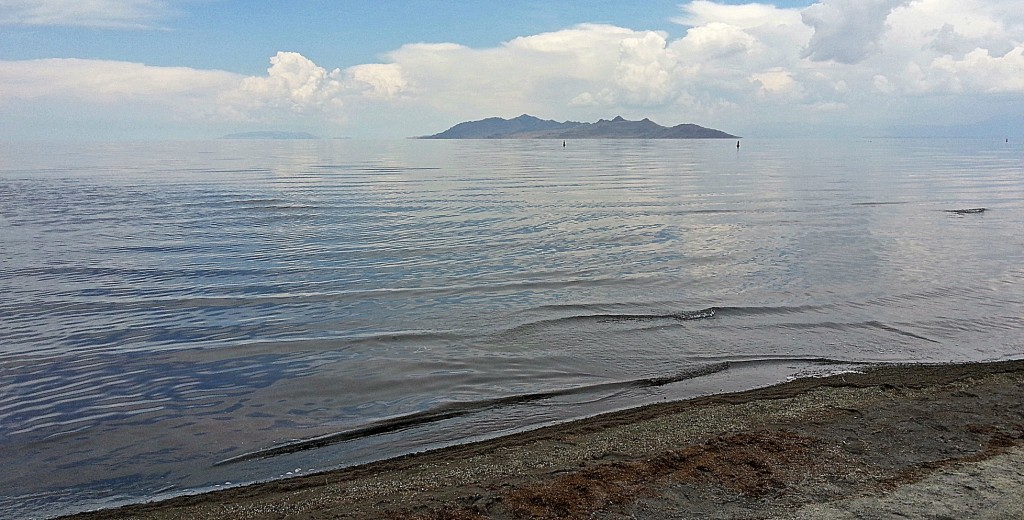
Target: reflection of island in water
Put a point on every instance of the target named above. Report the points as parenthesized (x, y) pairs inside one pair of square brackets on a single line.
[(529, 127)]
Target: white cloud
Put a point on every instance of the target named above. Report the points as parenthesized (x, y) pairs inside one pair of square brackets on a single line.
[(944, 47), (293, 85), (747, 16), (958, 26), (635, 68), (717, 40), (980, 72), (744, 68), (846, 30), (84, 13), (777, 84), (587, 41), (882, 84), (103, 82), (383, 81), (644, 72), (588, 63), (727, 45), (95, 99)]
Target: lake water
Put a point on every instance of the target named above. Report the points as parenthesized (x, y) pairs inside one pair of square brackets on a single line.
[(177, 317)]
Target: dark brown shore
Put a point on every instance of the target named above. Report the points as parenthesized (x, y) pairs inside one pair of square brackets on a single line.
[(903, 441)]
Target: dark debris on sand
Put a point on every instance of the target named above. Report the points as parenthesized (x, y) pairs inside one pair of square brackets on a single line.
[(778, 452)]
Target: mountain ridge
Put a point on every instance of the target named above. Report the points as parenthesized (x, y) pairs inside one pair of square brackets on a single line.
[(530, 127)]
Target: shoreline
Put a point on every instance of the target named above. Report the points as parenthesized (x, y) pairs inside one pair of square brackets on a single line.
[(807, 448)]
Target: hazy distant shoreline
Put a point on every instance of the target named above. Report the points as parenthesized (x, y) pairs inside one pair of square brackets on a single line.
[(272, 134)]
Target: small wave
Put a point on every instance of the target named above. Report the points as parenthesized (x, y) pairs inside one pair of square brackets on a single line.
[(768, 310), (227, 170), (879, 203), (701, 314), (371, 168), (453, 410), (895, 330), (966, 211)]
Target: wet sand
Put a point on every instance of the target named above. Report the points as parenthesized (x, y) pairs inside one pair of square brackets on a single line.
[(912, 441)]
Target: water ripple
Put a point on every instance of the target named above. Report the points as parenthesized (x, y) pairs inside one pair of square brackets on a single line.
[(170, 305)]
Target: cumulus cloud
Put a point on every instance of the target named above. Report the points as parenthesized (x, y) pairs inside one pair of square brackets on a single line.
[(643, 73), (378, 80), (591, 63), (956, 27), (744, 16), (293, 84), (84, 13), (101, 81), (776, 83), (293, 88), (636, 68), (50, 98), (737, 67), (978, 71), (952, 48), (717, 40), (846, 30)]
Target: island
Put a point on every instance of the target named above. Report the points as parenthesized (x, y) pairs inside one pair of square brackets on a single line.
[(530, 127)]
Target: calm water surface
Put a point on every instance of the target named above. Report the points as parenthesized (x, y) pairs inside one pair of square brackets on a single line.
[(177, 317)]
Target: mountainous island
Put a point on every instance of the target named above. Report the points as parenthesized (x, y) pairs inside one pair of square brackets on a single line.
[(530, 127)]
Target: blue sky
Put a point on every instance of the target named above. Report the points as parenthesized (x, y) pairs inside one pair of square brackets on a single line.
[(199, 68), (239, 35)]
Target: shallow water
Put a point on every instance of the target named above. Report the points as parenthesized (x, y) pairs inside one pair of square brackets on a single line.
[(180, 316)]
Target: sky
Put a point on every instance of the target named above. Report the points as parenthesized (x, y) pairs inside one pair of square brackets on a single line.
[(196, 69)]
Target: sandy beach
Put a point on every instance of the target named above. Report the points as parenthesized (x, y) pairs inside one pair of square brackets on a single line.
[(907, 441)]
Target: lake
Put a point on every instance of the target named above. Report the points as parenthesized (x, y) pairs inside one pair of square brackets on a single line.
[(182, 316)]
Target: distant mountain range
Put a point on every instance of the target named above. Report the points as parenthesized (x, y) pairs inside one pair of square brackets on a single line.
[(529, 127)]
